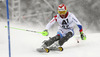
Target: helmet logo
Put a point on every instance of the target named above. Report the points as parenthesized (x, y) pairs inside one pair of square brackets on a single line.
[(61, 9)]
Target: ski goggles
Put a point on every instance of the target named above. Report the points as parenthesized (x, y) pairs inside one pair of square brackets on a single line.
[(62, 12)]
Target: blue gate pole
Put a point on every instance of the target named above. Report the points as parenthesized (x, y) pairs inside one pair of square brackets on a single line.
[(8, 24)]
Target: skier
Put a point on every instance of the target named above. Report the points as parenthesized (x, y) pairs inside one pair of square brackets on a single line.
[(66, 21)]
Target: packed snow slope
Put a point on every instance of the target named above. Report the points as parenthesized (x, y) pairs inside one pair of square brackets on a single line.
[(24, 44)]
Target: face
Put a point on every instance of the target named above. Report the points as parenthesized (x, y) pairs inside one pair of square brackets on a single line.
[(62, 15)]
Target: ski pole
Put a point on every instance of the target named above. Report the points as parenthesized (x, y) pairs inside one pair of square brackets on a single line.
[(43, 33)]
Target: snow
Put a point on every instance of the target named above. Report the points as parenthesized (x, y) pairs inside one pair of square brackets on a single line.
[(24, 44)]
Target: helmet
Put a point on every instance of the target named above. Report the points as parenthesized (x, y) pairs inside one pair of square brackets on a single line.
[(62, 9)]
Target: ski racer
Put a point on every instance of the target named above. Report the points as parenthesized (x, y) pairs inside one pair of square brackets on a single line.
[(66, 21)]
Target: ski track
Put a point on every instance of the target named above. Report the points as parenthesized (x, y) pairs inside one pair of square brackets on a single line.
[(24, 44)]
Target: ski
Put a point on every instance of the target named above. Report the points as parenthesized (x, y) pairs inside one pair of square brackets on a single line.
[(47, 50)]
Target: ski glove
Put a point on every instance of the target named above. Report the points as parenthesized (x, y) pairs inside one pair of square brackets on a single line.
[(45, 33), (83, 36)]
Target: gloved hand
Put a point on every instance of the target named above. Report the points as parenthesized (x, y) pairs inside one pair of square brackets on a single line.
[(83, 36), (45, 33)]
